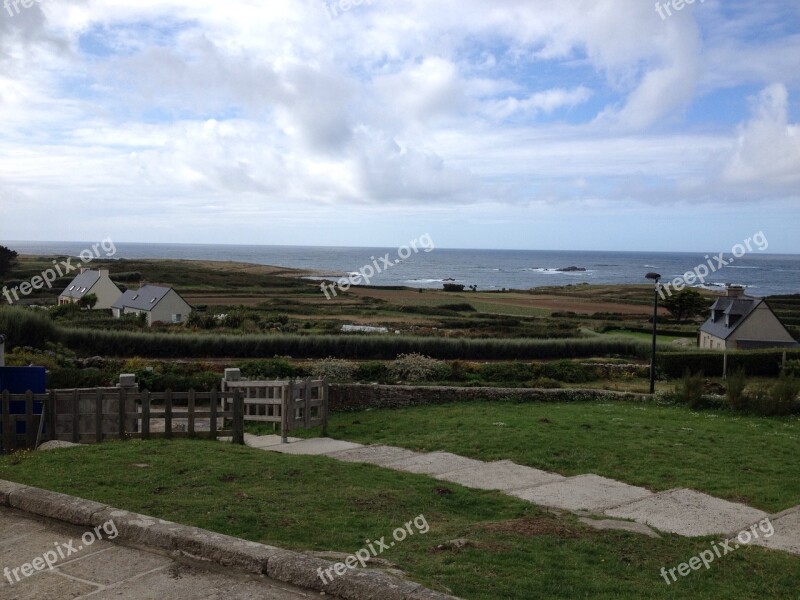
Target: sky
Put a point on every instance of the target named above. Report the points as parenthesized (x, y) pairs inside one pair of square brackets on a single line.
[(518, 124)]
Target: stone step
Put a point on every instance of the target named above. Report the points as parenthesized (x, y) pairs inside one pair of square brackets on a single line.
[(584, 492), (688, 513), (502, 475)]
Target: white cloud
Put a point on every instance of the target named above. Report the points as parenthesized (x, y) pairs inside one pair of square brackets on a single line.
[(768, 146)]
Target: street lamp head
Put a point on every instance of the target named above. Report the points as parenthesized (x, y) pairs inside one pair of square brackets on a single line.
[(654, 276)]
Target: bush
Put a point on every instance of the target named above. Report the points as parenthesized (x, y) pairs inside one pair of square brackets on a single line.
[(780, 399), (274, 368), (509, 372), (757, 363), (689, 390), (372, 371), (546, 383), (569, 372), (458, 307), (792, 368), (25, 327), (737, 382), (416, 367), (334, 369)]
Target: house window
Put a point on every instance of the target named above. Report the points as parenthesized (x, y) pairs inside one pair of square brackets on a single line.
[(153, 300), (135, 296), (72, 287), (177, 318)]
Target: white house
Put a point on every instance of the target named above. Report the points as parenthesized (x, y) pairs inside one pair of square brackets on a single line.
[(741, 322), (91, 282), (160, 304)]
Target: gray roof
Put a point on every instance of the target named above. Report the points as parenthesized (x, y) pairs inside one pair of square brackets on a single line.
[(145, 298), (741, 307), (82, 284)]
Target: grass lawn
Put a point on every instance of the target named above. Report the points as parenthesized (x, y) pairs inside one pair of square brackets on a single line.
[(741, 458), (640, 335), (316, 503)]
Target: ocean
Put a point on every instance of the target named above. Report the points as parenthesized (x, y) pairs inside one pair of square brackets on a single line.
[(423, 267)]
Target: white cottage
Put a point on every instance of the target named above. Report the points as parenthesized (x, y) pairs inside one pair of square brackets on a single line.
[(160, 304), (91, 282)]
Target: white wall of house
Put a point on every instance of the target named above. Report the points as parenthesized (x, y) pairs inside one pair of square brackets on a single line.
[(106, 291), (171, 309), (711, 342)]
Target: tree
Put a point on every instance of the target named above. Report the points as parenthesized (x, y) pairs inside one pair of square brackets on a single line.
[(88, 301), (7, 259), (686, 304)]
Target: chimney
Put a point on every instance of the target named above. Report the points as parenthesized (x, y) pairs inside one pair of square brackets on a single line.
[(735, 291), (103, 272), (84, 269)]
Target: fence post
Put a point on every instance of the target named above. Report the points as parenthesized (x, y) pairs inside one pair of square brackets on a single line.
[(76, 417), (238, 417), (286, 406), (307, 403), (123, 403), (325, 388), (191, 408), (146, 415), (212, 407), (52, 409), (30, 431), (5, 409), (98, 416), (168, 414), (725, 365)]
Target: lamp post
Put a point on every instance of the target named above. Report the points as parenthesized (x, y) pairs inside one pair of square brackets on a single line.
[(654, 277)]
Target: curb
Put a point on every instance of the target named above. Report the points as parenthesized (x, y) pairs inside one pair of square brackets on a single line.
[(276, 563)]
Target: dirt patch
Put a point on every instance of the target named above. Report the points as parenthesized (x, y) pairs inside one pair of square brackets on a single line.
[(537, 527)]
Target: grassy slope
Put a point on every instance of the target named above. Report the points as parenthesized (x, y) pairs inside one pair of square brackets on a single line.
[(741, 458), (519, 552)]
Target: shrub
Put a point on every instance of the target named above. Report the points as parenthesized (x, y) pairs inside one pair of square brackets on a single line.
[(792, 368), (274, 368), (416, 367), (735, 390), (372, 371), (780, 399), (334, 369), (546, 383), (689, 390), (511, 372), (24, 327), (458, 307), (569, 372)]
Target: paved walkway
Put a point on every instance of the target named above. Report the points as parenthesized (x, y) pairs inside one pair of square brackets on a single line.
[(681, 511), (103, 570)]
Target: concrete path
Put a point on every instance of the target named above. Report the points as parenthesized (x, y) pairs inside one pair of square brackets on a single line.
[(103, 569), (682, 511)]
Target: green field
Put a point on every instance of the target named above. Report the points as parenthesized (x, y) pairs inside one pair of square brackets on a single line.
[(515, 550), (658, 447)]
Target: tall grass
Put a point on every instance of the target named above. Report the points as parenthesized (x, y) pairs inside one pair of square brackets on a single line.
[(25, 327), (158, 345)]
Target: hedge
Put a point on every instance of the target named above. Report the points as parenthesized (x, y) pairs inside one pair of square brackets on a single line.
[(756, 363), (359, 347)]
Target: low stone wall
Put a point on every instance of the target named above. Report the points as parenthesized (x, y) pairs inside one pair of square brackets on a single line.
[(353, 397)]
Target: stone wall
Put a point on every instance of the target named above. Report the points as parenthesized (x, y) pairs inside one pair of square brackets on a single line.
[(353, 397)]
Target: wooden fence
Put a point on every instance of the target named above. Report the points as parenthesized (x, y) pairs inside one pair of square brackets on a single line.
[(91, 416), (291, 405)]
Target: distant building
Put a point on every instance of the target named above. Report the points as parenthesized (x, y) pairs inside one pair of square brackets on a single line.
[(740, 322), (160, 304), (91, 282)]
